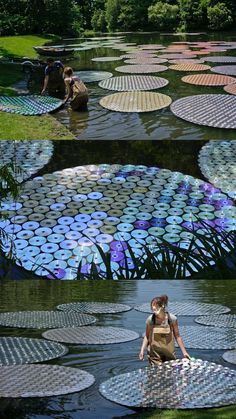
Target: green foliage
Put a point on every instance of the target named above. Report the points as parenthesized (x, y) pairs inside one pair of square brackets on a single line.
[(163, 15), (98, 21), (112, 11), (191, 13), (219, 16)]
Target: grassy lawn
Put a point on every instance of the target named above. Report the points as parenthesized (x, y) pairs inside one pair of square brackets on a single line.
[(19, 127), (22, 46), (221, 413)]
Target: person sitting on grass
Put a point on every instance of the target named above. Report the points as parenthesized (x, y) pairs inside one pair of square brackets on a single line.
[(53, 79), (161, 332), (76, 90)]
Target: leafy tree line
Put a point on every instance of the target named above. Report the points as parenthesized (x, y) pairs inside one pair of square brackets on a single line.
[(75, 16)]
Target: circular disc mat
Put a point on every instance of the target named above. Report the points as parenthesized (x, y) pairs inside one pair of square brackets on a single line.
[(29, 105), (143, 60), (220, 59), (212, 110), (131, 83), (187, 308), (91, 307), (17, 350), (91, 335), (29, 155), (230, 356), (205, 337), (225, 320), (189, 67), (135, 101), (208, 80), (141, 69), (106, 59), (44, 319), (93, 76), (62, 216), (178, 384), (231, 88), (229, 70), (42, 380), (217, 161)]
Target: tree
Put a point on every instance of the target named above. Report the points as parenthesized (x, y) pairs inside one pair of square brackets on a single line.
[(219, 16), (191, 13), (163, 15), (98, 21), (112, 11)]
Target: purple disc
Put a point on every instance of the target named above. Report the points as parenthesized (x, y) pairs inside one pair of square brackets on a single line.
[(158, 222), (222, 222), (117, 256), (118, 246), (140, 224), (129, 263), (58, 273)]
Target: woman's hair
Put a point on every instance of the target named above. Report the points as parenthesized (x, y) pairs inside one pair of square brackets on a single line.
[(160, 302), (68, 71)]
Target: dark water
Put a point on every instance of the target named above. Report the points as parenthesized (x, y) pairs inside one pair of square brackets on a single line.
[(103, 361), (101, 124)]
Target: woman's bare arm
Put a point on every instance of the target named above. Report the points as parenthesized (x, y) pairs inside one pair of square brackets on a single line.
[(144, 343)]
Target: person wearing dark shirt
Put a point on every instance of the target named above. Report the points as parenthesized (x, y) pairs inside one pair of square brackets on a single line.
[(53, 79)]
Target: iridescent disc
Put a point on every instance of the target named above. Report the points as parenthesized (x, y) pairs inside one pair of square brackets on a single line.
[(92, 76), (18, 350), (141, 69), (131, 83), (179, 384), (205, 337), (187, 308), (94, 307), (91, 335), (229, 70), (217, 161), (231, 88), (29, 105), (214, 110), (220, 320), (208, 80), (189, 67), (42, 380), (135, 101)]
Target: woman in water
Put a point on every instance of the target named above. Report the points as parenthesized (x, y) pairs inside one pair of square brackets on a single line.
[(161, 332), (75, 90)]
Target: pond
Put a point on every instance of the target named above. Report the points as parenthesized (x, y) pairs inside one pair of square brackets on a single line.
[(103, 361), (102, 124)]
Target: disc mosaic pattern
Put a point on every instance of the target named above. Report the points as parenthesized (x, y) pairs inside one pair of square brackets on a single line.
[(225, 320), (92, 76), (106, 59), (208, 80), (17, 350), (189, 67), (206, 337), (144, 60), (212, 110), (229, 70), (179, 384), (231, 88), (135, 101), (220, 59), (230, 356), (188, 308), (91, 335), (131, 83), (141, 69), (44, 319), (94, 307), (42, 380), (217, 161), (29, 105), (61, 216), (29, 155)]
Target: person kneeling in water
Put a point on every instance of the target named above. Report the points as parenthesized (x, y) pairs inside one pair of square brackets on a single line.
[(75, 90), (161, 329)]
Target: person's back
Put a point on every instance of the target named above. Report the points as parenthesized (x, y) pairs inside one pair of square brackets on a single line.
[(53, 80), (76, 90)]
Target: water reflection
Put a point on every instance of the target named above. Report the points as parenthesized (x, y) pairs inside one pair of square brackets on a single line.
[(103, 361)]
